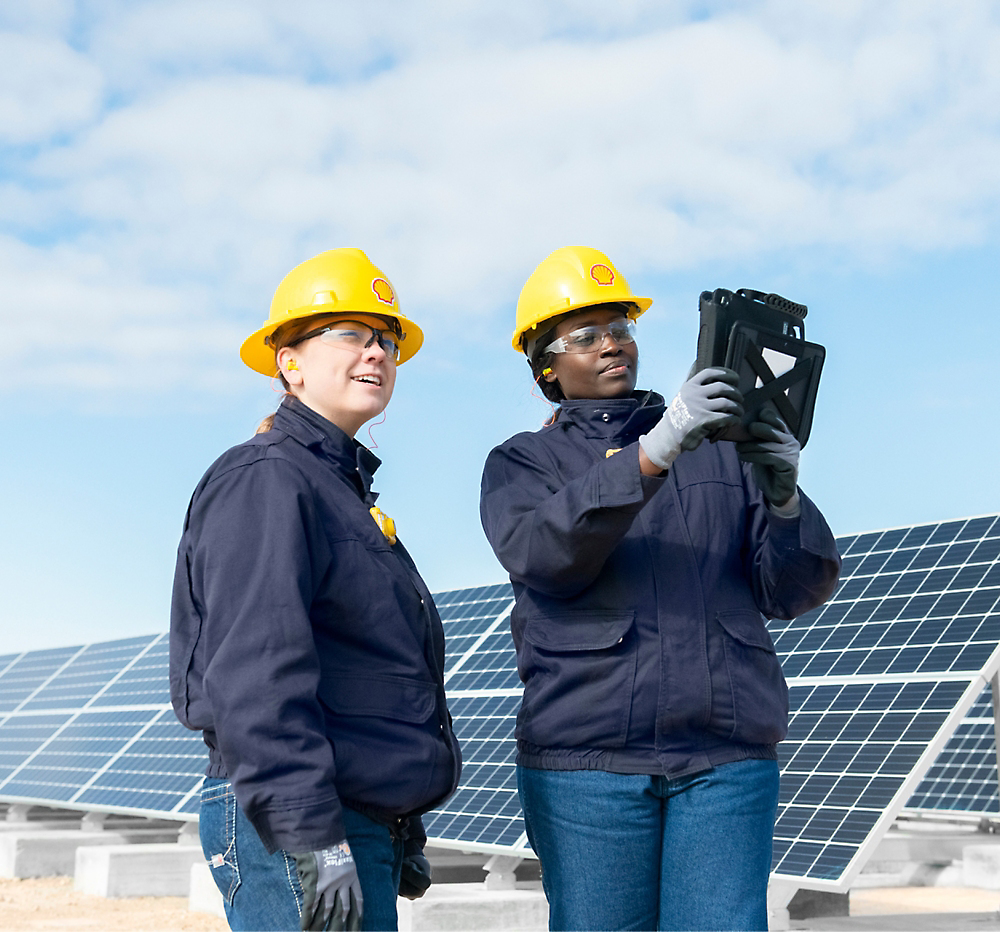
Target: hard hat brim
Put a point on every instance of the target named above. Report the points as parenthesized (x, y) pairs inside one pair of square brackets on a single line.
[(520, 337), (256, 354)]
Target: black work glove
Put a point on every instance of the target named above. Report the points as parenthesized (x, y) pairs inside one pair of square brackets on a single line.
[(331, 889), (774, 456), (415, 876)]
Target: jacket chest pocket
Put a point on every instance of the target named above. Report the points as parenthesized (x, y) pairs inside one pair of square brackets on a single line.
[(749, 695), (579, 673)]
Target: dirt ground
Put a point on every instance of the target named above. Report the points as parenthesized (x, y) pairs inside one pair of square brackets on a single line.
[(881, 901), (52, 903)]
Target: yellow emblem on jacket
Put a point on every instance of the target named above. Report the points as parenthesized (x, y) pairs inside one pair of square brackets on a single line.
[(385, 524), (613, 452)]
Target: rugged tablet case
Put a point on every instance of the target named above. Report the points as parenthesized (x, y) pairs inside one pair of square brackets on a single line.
[(737, 331)]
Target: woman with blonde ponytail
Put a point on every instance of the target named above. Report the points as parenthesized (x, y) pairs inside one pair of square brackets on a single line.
[(304, 644)]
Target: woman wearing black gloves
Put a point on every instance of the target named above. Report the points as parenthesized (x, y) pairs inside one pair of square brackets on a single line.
[(304, 644), (642, 559)]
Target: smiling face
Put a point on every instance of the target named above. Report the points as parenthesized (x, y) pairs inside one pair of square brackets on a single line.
[(346, 385), (609, 372)]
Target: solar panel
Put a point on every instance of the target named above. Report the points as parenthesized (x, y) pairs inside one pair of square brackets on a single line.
[(879, 679), (92, 728), (484, 693), (883, 679), (963, 779)]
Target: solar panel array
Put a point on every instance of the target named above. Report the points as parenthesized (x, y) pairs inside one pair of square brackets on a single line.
[(880, 679), (92, 728), (911, 600), (963, 779)]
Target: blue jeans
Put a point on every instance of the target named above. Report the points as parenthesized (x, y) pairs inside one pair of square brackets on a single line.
[(262, 891), (620, 851)]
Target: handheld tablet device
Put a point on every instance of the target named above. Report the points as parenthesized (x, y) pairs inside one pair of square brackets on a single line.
[(762, 337)]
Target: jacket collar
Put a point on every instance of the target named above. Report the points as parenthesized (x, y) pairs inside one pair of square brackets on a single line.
[(613, 417), (314, 431)]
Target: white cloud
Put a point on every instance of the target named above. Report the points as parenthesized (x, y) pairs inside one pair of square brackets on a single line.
[(459, 147), (72, 321), (45, 88), (43, 16)]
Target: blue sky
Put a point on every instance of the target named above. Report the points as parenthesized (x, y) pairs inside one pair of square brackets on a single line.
[(163, 164)]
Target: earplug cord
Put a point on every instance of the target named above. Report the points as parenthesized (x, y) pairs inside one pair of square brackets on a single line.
[(554, 413), (381, 420)]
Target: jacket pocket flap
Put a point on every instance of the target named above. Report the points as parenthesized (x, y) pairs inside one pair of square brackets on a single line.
[(578, 630), (386, 697), (746, 627)]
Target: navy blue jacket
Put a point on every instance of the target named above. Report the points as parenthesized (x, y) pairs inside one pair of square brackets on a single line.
[(305, 647), (638, 622)]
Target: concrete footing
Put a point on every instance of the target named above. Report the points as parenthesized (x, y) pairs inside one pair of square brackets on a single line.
[(53, 852), (443, 907), (981, 866), (42, 826), (922, 855), (471, 906), (814, 904), (203, 894), (136, 870), (779, 895)]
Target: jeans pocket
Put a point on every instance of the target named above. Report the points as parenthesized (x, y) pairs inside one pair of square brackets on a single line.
[(217, 828), (749, 695)]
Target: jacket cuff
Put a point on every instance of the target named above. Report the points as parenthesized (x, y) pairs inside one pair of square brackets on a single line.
[(784, 531), (808, 532), (304, 828), (620, 484), (651, 485)]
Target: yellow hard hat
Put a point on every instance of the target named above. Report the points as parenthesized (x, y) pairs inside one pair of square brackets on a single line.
[(333, 282), (570, 278)]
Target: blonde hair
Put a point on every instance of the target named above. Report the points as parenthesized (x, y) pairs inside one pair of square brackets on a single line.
[(281, 337)]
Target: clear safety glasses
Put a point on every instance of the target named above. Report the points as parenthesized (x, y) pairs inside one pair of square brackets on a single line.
[(354, 335), (591, 339)]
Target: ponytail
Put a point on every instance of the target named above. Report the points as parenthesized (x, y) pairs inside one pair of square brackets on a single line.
[(282, 337)]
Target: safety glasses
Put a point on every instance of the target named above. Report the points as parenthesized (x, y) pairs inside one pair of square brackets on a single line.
[(354, 335), (591, 339)]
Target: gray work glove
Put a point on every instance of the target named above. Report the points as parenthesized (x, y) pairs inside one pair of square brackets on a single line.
[(707, 402), (331, 889), (415, 876), (774, 456)]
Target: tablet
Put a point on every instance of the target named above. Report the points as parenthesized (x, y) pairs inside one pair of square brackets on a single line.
[(762, 337)]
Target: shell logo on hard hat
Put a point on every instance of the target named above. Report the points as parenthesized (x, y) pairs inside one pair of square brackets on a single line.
[(383, 291), (601, 274)]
